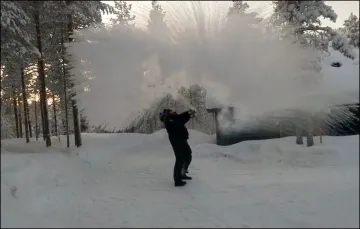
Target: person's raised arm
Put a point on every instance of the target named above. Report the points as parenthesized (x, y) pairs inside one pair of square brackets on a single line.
[(185, 116)]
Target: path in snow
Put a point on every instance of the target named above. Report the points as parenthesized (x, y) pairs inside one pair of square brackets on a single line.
[(126, 181)]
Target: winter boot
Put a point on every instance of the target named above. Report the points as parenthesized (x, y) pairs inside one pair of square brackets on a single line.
[(180, 183), (186, 177)]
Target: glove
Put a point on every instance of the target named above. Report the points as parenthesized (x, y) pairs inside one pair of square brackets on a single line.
[(163, 116), (192, 113)]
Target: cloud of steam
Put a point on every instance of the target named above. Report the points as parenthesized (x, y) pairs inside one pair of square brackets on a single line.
[(237, 62)]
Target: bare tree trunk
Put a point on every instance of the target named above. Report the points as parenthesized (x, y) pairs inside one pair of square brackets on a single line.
[(26, 114), (77, 131), (59, 124), (16, 112), (65, 93), (42, 116), (54, 109), (36, 122), (42, 119), (310, 131), (29, 121), (321, 132), (43, 99), (20, 119)]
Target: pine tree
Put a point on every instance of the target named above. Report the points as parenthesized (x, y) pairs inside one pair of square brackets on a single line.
[(238, 19), (122, 13), (156, 25), (90, 16), (351, 29), (14, 22), (238, 7), (25, 103), (41, 74), (19, 54), (16, 47), (301, 19)]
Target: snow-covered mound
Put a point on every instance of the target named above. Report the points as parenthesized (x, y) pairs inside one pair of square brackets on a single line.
[(284, 152), (125, 180)]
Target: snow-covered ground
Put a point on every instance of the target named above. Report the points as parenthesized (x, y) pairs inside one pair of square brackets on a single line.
[(125, 180)]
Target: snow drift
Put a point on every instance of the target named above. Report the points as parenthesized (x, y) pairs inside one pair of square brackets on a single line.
[(283, 152)]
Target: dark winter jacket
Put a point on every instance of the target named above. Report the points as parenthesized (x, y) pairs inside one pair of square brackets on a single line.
[(175, 126)]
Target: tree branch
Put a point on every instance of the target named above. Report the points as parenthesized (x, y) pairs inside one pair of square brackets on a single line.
[(315, 28)]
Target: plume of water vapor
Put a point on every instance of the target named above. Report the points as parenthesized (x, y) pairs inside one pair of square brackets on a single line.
[(237, 61)]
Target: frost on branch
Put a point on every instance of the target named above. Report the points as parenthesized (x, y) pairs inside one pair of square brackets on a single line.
[(13, 17), (122, 13), (13, 29), (88, 13), (351, 29), (341, 44), (238, 7), (301, 19), (302, 13)]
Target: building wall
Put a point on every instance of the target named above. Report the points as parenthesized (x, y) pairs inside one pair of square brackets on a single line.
[(286, 128)]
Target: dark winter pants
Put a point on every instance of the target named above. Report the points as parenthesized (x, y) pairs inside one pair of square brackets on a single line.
[(183, 158)]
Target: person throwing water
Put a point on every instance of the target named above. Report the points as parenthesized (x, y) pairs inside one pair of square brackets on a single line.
[(178, 136)]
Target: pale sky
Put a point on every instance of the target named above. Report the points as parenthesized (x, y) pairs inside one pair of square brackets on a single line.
[(141, 9)]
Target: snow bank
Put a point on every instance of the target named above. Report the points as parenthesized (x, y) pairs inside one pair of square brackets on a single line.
[(283, 151), (273, 152)]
